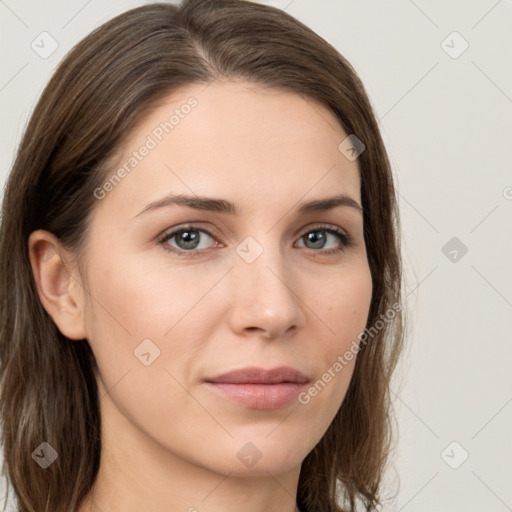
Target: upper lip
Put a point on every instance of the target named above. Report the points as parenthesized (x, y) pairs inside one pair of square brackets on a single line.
[(255, 375)]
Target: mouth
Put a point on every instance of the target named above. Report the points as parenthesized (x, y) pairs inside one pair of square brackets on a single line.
[(258, 388)]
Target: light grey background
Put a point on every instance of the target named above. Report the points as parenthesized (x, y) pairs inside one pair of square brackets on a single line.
[(447, 123)]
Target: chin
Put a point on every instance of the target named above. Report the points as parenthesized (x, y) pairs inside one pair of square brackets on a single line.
[(264, 453)]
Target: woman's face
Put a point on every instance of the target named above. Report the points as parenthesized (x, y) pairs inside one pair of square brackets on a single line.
[(255, 280)]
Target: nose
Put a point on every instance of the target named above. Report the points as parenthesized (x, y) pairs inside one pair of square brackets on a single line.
[(266, 297)]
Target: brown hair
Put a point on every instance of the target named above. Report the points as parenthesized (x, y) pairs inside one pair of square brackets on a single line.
[(95, 98)]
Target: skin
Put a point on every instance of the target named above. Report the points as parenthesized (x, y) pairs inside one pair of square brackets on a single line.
[(169, 443)]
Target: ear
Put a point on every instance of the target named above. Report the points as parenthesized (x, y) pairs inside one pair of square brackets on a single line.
[(59, 287)]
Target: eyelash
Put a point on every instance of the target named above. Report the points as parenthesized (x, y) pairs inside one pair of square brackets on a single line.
[(346, 240)]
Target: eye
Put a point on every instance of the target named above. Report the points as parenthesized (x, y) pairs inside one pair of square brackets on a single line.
[(188, 239), (192, 241), (318, 236)]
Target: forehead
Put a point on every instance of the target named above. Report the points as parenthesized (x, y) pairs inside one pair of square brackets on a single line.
[(238, 139)]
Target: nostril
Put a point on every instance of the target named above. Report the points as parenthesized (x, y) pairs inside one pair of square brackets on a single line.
[(254, 329)]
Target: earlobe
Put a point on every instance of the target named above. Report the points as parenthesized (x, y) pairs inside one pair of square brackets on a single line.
[(59, 288)]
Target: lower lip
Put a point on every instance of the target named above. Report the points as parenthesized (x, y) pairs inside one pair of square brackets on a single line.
[(259, 396)]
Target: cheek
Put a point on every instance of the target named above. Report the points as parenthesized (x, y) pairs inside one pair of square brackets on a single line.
[(347, 305), (145, 331), (147, 313), (140, 300)]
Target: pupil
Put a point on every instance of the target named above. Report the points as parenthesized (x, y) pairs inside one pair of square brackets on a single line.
[(188, 244), (318, 241)]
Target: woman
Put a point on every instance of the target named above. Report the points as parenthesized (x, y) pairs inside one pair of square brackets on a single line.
[(200, 273)]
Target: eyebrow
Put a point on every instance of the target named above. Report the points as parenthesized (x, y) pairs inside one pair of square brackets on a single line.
[(222, 206)]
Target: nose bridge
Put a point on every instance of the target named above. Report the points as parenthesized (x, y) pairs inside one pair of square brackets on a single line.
[(265, 295), (262, 263)]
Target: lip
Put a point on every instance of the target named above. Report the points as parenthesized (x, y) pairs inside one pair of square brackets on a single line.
[(259, 388)]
